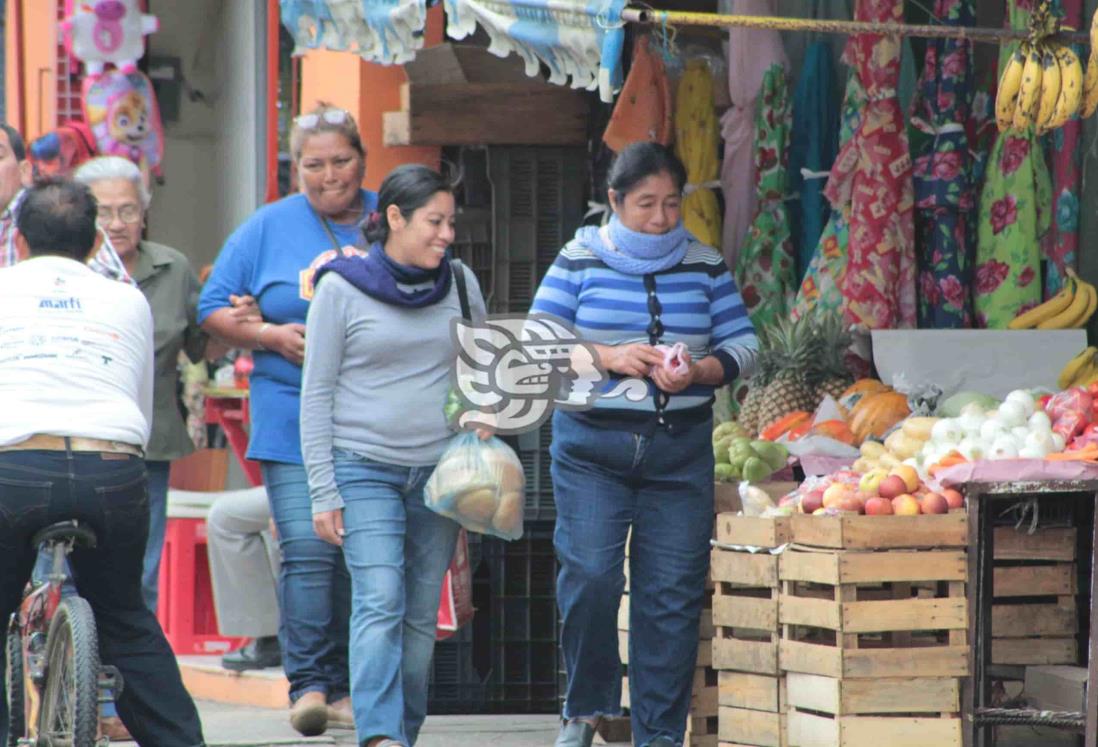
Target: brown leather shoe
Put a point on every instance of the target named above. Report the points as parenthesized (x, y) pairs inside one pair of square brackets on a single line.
[(113, 729), (340, 714), (309, 715)]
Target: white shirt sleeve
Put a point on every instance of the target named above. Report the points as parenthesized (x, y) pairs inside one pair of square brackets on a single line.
[(145, 385)]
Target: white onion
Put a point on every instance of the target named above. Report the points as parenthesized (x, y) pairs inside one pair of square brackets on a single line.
[(1020, 433), (1032, 452), (993, 429), (1040, 421), (971, 449), (1058, 442), (1041, 441), (946, 431), (1024, 399), (1012, 414), (1003, 448)]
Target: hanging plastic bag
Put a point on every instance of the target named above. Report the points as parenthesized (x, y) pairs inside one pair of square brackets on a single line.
[(455, 606), (480, 485)]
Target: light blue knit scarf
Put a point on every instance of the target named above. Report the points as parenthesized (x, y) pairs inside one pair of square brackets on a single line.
[(632, 252)]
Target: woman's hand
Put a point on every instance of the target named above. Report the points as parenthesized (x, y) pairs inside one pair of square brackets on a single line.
[(328, 525), (288, 340), (673, 383), (244, 309), (635, 359)]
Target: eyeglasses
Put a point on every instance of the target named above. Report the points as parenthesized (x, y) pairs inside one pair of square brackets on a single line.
[(129, 214), (331, 116)]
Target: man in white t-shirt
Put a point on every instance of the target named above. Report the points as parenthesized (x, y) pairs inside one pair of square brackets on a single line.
[(76, 363)]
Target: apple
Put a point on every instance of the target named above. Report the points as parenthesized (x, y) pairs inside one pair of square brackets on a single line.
[(909, 475), (879, 507), (819, 511), (871, 481), (892, 486), (934, 503), (851, 504), (836, 492), (954, 498), (812, 501), (905, 505)]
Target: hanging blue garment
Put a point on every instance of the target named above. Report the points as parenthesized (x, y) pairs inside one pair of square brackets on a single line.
[(814, 144)]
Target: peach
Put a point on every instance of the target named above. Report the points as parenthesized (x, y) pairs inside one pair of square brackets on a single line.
[(905, 505), (934, 503), (892, 486), (879, 507), (836, 492), (871, 481), (812, 501), (909, 475), (954, 498), (851, 504)]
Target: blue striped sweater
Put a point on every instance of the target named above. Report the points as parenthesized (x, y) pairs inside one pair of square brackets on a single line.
[(701, 308)]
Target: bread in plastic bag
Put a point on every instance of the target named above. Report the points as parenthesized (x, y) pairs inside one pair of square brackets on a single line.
[(480, 485)]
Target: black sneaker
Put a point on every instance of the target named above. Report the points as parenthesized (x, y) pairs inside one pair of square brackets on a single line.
[(260, 653)]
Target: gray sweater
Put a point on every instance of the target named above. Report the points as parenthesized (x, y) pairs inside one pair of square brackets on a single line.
[(375, 380)]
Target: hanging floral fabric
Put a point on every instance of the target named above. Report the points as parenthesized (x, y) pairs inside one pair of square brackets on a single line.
[(765, 266), (643, 110), (944, 194), (696, 141), (1014, 215), (814, 142), (872, 175), (1063, 146), (751, 52)]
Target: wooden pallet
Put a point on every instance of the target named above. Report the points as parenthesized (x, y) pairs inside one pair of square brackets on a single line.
[(852, 614), (1034, 616)]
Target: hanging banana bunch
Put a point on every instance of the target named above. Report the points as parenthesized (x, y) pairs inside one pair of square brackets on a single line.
[(1042, 84)]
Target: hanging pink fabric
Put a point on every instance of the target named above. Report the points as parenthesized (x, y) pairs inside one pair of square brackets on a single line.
[(872, 181), (751, 52)]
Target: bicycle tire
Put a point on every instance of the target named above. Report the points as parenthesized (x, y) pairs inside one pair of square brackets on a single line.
[(13, 686), (70, 703)]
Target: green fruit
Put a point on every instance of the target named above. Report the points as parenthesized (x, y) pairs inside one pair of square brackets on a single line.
[(723, 473), (731, 428), (720, 449), (775, 455), (756, 470)]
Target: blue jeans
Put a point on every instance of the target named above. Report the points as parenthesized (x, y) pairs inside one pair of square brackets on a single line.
[(398, 551), (158, 520), (314, 590), (606, 481), (108, 493)]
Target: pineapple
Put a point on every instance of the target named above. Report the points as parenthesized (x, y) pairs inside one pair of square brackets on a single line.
[(830, 375), (788, 360)]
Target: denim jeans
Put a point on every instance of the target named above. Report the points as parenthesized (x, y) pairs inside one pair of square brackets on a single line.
[(158, 520), (108, 493), (606, 481), (398, 551), (314, 590)]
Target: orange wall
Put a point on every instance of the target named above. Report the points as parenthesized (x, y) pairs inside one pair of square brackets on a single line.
[(39, 68), (367, 89)]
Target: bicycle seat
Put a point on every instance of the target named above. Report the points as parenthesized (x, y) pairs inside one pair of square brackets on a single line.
[(63, 531)]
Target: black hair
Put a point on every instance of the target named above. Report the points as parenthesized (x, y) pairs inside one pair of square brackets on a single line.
[(409, 187), (18, 145), (58, 217), (641, 160)]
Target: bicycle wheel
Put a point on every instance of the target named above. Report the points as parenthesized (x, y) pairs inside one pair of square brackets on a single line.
[(13, 686), (69, 715)]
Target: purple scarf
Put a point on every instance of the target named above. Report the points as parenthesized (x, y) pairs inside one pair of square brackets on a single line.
[(378, 276)]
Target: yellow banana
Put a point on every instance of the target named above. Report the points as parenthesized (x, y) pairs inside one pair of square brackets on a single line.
[(1006, 100), (1090, 84), (1071, 86), (1092, 305), (1086, 374), (1050, 89), (1047, 310), (1074, 366), (1025, 112), (1067, 318)]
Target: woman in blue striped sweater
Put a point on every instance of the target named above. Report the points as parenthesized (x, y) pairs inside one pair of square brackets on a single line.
[(640, 282)]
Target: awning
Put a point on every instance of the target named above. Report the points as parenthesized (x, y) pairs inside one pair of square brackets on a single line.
[(579, 42)]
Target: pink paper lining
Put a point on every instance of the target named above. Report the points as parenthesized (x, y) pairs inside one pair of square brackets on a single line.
[(1014, 470)]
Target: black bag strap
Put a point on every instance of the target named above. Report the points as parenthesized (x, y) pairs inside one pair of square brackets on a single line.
[(458, 270)]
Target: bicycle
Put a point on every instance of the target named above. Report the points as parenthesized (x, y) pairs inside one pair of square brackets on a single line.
[(55, 682)]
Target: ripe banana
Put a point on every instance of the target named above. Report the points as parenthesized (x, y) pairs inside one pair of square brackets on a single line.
[(1074, 366), (1086, 374), (1047, 310), (1006, 100), (1092, 304), (1071, 86), (1067, 318), (1090, 85), (1050, 89), (1025, 112)]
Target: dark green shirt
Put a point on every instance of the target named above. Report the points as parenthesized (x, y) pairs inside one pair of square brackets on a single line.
[(171, 288)]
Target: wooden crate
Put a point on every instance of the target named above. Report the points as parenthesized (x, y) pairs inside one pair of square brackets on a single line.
[(753, 531), (814, 730), (742, 726), (853, 614), (857, 532), (1035, 616)]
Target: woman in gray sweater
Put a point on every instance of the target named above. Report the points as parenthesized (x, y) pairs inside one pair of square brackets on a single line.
[(377, 371)]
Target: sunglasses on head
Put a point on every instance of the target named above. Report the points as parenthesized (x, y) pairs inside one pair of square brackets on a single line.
[(331, 116)]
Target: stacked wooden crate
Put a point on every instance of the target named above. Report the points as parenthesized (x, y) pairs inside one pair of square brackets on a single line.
[(701, 726), (745, 642), (874, 630), (1034, 618)]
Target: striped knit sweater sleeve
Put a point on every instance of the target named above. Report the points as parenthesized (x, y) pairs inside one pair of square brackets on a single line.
[(701, 307)]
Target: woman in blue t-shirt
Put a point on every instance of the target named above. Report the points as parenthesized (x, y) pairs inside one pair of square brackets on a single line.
[(273, 257)]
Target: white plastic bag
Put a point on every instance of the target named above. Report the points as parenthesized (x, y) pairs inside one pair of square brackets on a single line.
[(480, 485)]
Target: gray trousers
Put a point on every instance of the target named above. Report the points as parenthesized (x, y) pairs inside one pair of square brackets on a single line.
[(244, 563)]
